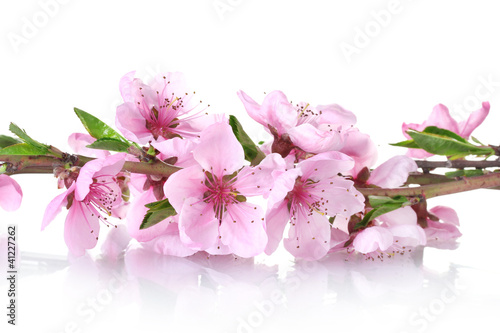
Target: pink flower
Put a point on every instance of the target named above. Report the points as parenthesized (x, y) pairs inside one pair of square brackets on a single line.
[(93, 197), (440, 117), (305, 196), (442, 227), (393, 233), (11, 194), (313, 130), (210, 197), (158, 111)]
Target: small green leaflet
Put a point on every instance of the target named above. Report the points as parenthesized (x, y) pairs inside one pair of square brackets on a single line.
[(99, 130), (381, 205), (6, 141), (41, 148), (406, 144), (110, 144), (158, 211), (22, 149), (252, 153)]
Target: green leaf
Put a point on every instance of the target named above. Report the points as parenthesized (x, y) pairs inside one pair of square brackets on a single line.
[(22, 149), (98, 129), (447, 144), (6, 141), (381, 205), (444, 132), (377, 200), (252, 153), (110, 144), (158, 211), (464, 173), (44, 149), (406, 144)]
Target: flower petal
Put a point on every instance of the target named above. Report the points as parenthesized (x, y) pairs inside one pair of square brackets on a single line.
[(372, 239), (198, 227), (309, 235), (10, 193), (177, 147), (218, 151), (393, 172), (242, 229), (169, 243), (475, 119), (276, 220), (253, 108), (325, 165), (81, 229), (315, 140), (278, 112), (446, 214), (401, 216), (184, 184), (335, 114), (78, 143), (131, 123), (361, 149), (55, 206)]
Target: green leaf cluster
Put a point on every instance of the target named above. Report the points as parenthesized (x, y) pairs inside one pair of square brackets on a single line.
[(157, 212), (25, 145)]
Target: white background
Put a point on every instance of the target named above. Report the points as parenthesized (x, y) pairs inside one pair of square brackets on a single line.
[(56, 56)]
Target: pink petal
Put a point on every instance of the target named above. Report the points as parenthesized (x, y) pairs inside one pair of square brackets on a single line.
[(132, 124), (115, 243), (338, 239), (335, 114), (258, 180), (78, 143), (242, 229), (278, 112), (81, 229), (218, 151), (361, 148), (314, 140), (446, 214), (125, 86), (440, 117), (283, 184), (11, 194), (198, 227), (309, 236), (136, 215), (441, 232), (339, 196), (409, 235), (184, 184), (169, 243), (393, 172), (180, 148), (253, 109), (475, 119), (276, 220), (401, 216), (55, 206), (325, 165), (372, 239)]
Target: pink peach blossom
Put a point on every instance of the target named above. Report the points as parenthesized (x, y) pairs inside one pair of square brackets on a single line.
[(93, 197), (11, 194), (158, 111), (210, 197), (305, 196)]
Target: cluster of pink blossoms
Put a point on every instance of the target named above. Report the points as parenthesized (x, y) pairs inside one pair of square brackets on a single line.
[(302, 193)]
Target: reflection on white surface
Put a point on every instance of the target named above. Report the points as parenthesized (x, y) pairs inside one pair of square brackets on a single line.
[(143, 291)]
